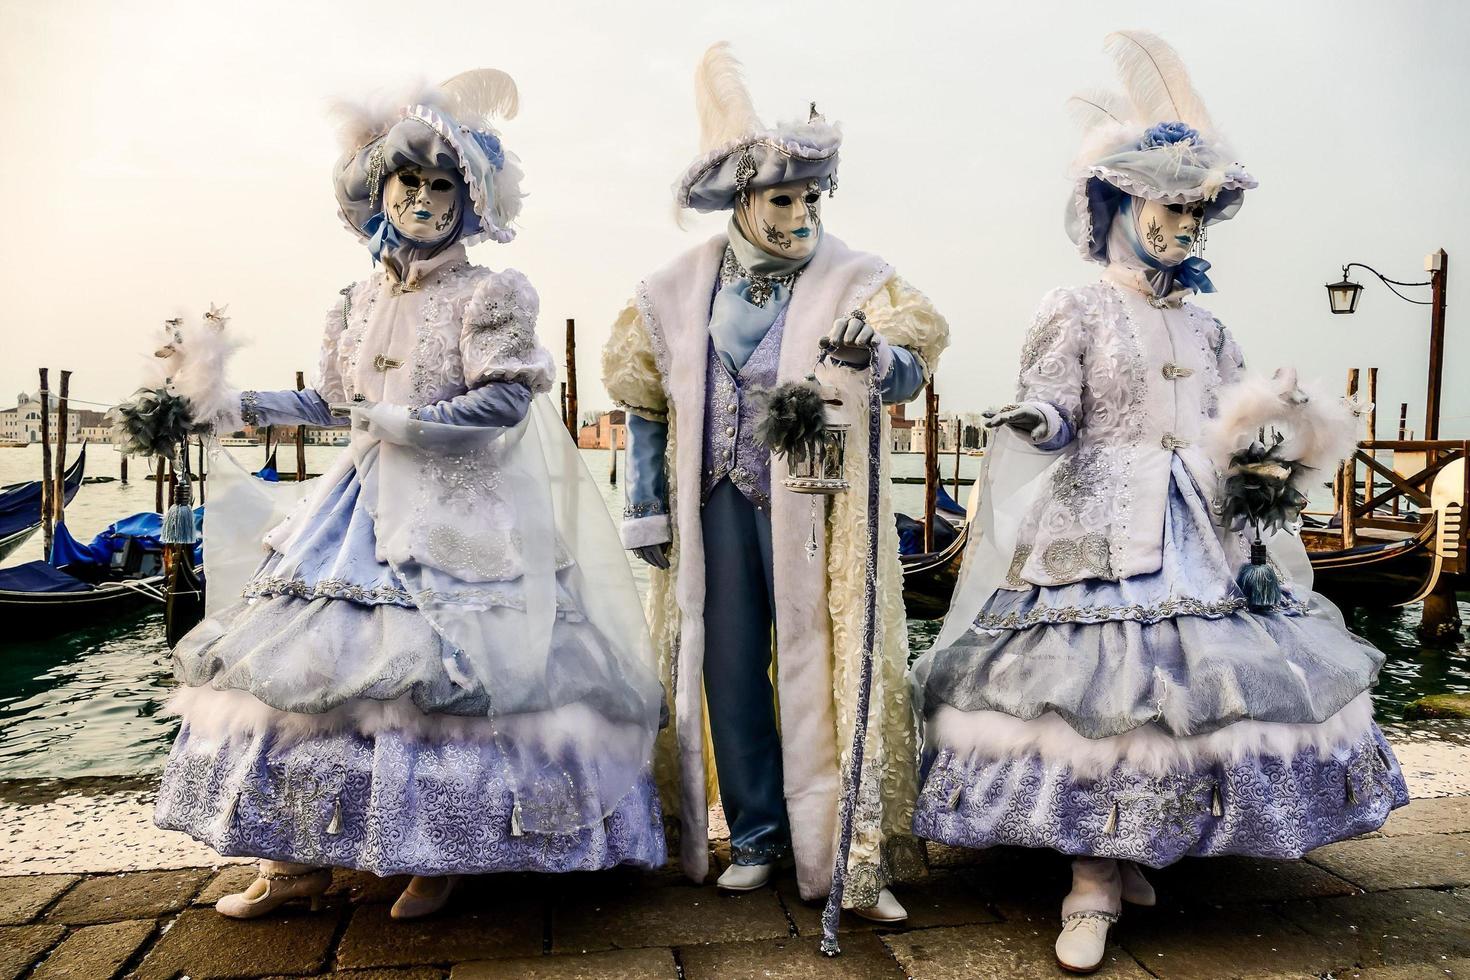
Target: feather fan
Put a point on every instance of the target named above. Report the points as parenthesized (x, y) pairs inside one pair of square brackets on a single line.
[(726, 111), (1155, 79)]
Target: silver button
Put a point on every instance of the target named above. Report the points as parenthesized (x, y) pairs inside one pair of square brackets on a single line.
[(730, 430), (732, 408), (738, 471)]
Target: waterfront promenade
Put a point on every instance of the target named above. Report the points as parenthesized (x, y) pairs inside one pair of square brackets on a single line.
[(1392, 905)]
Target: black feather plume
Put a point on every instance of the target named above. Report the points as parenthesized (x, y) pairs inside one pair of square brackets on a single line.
[(154, 422), (1259, 489), (791, 418)]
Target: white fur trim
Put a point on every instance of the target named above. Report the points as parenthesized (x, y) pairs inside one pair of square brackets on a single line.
[(995, 735), (218, 715), (1053, 421), (640, 532)]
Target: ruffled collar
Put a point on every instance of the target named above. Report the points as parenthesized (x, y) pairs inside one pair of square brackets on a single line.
[(420, 270)]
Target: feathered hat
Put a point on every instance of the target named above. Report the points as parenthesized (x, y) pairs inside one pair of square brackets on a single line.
[(738, 151), (447, 127), (1156, 141)]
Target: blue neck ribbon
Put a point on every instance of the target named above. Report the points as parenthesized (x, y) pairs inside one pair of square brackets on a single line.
[(384, 237), (1191, 273)]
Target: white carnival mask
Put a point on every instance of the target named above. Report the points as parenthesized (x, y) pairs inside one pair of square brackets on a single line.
[(423, 203), (784, 219), (1168, 232)]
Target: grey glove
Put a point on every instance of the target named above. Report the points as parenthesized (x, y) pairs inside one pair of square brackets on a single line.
[(1026, 418), (656, 555), (851, 340)]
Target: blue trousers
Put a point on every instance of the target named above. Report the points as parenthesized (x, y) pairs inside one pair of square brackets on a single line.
[(739, 616)]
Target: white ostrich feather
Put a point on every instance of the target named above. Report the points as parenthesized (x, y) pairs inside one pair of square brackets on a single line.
[(480, 95), (362, 120), (1156, 80), (1099, 107), (1320, 429), (204, 351), (726, 112)]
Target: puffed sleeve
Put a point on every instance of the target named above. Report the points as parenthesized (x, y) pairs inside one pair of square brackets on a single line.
[(498, 339), (1229, 358), (629, 370), (1051, 363), (906, 321)]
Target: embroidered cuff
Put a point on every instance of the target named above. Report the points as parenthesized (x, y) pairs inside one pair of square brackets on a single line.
[(1058, 428), (641, 532)]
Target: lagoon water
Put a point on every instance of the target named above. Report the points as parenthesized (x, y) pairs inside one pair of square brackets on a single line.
[(89, 703)]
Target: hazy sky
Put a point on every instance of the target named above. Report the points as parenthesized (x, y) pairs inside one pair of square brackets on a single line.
[(165, 155)]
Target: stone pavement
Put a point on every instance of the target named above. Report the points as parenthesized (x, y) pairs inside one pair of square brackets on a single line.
[(1389, 906)]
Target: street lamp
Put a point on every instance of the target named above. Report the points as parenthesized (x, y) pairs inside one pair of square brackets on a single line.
[(1343, 298)]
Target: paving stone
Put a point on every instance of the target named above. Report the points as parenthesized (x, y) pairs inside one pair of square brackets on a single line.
[(20, 946), (1412, 861), (1216, 944), (203, 944), (135, 895), (95, 952), (995, 950), (1391, 928), (374, 939), (1446, 968), (942, 898), (405, 973), (664, 915), (619, 964), (863, 958), (1235, 880), (1441, 815), (359, 887), (24, 896)]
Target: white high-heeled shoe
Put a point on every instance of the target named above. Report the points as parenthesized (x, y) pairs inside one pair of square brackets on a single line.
[(1083, 941), (272, 890), (1136, 888), (888, 909), (417, 904), (745, 877)]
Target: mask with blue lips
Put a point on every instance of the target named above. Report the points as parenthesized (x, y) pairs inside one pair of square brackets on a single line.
[(784, 219), (424, 204), (1167, 232)]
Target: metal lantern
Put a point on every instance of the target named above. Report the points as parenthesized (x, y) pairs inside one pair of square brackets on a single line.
[(1343, 296), (819, 469)]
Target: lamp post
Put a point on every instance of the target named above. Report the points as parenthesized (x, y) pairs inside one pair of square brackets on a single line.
[(1343, 298)]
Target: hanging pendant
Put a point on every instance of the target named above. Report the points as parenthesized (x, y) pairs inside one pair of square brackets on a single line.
[(1217, 805), (1112, 823), (811, 541), (954, 796), (1351, 793), (334, 827), (516, 827)]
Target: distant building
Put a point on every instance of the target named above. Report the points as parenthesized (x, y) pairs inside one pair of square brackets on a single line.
[(22, 424), (601, 432), (901, 430)]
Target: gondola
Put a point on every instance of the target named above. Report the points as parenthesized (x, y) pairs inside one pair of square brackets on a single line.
[(929, 579), (20, 505), (1383, 572), (119, 574)]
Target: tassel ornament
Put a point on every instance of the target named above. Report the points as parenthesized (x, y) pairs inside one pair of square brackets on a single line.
[(1217, 804), (517, 828), (1258, 581), (334, 826), (1111, 826), (1349, 791)]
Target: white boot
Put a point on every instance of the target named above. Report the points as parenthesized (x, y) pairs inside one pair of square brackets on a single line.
[(424, 896), (745, 877), (1083, 940), (1136, 888), (887, 910), (279, 883), (1087, 912)]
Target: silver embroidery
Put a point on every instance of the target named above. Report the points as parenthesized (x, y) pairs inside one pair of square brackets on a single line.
[(487, 556), (250, 407), (1018, 562), (1038, 340), (761, 287), (1138, 613)]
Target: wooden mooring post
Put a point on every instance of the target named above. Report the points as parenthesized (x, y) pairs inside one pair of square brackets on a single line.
[(58, 496), (46, 488), (931, 462), (300, 435), (571, 396)]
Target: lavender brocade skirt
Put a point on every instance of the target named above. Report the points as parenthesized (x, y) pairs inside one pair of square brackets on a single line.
[(1106, 657), (387, 804), (1263, 806)]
